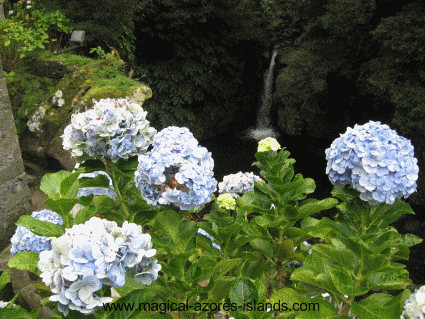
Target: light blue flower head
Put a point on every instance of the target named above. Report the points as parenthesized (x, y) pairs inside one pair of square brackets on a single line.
[(238, 184), (115, 129), (25, 240), (377, 162), (91, 255), (176, 171)]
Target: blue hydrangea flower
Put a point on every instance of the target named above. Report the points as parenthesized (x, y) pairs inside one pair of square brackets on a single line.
[(377, 162), (25, 240), (238, 184), (115, 129), (176, 171), (91, 255)]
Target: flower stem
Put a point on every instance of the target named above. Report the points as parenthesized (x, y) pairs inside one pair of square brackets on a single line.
[(110, 169)]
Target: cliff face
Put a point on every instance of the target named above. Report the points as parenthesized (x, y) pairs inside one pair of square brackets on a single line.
[(14, 192)]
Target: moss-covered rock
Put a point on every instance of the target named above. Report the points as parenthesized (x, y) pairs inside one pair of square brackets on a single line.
[(76, 92)]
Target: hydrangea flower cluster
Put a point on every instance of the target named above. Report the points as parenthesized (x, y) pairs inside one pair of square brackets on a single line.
[(25, 240), (115, 129), (238, 183), (203, 232), (415, 305), (378, 163), (97, 191), (176, 171), (92, 254), (268, 144), (226, 201)]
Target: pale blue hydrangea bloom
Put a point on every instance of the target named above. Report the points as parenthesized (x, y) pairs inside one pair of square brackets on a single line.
[(414, 307), (115, 129), (378, 163), (25, 240), (203, 232), (238, 184), (178, 172), (91, 255)]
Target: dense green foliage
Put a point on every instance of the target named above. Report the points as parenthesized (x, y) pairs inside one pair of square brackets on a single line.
[(192, 54), (107, 23), (29, 29)]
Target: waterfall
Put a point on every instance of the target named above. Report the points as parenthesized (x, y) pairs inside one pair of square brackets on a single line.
[(264, 128), (263, 119)]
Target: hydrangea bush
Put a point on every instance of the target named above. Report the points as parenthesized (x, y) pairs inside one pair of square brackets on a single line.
[(375, 160), (113, 129), (238, 252)]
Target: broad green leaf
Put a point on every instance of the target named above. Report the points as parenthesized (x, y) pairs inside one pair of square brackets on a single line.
[(265, 188), (315, 272), (84, 215), (289, 297), (40, 228), (306, 209), (262, 246), (226, 233), (90, 166), (50, 183), (411, 240), (205, 244), (63, 206), (389, 280), (224, 266), (342, 257), (69, 186), (98, 181), (4, 278), (296, 190), (168, 222), (243, 291), (345, 283), (221, 289), (378, 306), (14, 313), (25, 260)]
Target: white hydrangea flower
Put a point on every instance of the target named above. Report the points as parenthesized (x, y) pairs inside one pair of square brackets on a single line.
[(34, 123), (415, 305)]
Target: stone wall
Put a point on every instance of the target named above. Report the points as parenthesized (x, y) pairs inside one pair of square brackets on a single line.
[(15, 198)]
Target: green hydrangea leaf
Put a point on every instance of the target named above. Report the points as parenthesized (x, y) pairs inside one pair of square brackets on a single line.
[(25, 260)]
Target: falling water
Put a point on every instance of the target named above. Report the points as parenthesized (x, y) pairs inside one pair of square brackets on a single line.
[(264, 127)]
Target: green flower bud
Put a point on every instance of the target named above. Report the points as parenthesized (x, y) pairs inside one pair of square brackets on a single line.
[(268, 144), (226, 201)]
